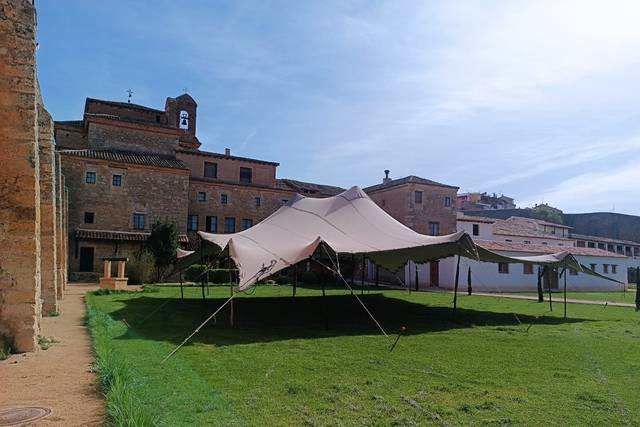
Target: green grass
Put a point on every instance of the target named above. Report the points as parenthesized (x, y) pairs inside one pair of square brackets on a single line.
[(279, 365), (628, 297)]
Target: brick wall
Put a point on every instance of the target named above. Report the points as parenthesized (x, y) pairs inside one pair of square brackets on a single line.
[(19, 188), (158, 193), (229, 168), (130, 112), (241, 203), (399, 202), (104, 136), (72, 138)]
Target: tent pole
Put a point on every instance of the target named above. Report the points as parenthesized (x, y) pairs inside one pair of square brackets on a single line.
[(417, 285), (202, 277), (564, 272), (295, 280), (377, 276), (207, 280), (362, 277), (469, 289), (545, 271), (455, 290), (540, 290), (181, 290), (353, 269), (637, 288), (231, 306)]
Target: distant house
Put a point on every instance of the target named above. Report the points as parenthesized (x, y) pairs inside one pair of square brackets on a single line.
[(484, 201)]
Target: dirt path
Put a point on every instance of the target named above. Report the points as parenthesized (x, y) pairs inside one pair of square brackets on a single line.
[(57, 378), (557, 299)]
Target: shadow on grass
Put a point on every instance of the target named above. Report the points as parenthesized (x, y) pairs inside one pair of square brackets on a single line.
[(266, 319)]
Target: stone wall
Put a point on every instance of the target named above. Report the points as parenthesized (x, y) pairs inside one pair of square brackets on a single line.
[(241, 203), (48, 218), (134, 138), (263, 173), (71, 137), (20, 307), (399, 202)]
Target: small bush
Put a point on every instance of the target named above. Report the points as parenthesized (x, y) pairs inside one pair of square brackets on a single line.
[(53, 313), (6, 348), (309, 277), (44, 342), (141, 268)]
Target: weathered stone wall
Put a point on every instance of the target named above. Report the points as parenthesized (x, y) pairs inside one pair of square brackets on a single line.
[(71, 138), (19, 187), (229, 168), (399, 202), (128, 111), (60, 230), (103, 136), (241, 203), (48, 225)]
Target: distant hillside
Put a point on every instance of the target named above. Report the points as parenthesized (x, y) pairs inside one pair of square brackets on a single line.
[(605, 224)]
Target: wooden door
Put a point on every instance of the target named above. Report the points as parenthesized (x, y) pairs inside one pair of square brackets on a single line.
[(86, 259)]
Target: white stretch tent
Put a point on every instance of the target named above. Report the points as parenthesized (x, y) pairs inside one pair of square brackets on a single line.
[(349, 223)]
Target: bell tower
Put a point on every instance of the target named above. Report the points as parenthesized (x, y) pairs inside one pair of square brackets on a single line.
[(182, 112)]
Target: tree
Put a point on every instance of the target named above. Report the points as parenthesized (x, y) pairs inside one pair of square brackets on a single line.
[(163, 244), (546, 213)]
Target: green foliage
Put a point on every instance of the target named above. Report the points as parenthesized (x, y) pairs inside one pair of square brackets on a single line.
[(44, 342), (163, 244), (53, 313), (6, 347), (544, 213), (115, 376), (140, 268), (218, 275), (150, 289)]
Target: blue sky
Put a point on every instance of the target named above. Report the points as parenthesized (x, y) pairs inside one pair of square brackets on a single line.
[(536, 100)]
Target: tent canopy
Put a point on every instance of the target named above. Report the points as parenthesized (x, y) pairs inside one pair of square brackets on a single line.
[(349, 223)]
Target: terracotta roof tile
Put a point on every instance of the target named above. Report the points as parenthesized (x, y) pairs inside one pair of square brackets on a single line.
[(411, 179), (523, 227), (543, 249), (119, 235), (308, 187), (147, 159)]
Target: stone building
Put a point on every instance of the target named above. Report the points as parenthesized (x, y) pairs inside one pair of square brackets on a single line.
[(33, 205), (128, 165), (426, 206)]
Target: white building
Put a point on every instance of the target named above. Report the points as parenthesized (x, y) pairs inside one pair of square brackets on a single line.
[(518, 236)]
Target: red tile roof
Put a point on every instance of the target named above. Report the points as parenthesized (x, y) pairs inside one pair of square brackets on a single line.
[(543, 249), (119, 235), (147, 159)]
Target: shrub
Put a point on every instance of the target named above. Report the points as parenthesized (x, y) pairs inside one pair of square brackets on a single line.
[(140, 268), (6, 347), (163, 244), (308, 277)]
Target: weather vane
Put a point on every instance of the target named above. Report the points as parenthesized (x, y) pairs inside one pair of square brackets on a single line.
[(130, 92)]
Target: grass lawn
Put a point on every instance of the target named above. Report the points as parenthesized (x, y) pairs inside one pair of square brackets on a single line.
[(628, 297), (279, 365)]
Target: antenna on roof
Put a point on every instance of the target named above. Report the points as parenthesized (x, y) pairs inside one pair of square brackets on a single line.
[(130, 92)]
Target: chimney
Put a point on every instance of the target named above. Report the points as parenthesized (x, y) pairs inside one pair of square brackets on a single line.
[(386, 176), (227, 151)]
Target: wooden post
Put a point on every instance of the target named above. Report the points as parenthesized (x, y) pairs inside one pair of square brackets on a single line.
[(455, 286), (181, 290), (469, 289), (545, 270), (417, 284), (353, 271), (231, 311)]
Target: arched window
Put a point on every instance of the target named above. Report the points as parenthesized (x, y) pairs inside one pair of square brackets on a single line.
[(184, 120)]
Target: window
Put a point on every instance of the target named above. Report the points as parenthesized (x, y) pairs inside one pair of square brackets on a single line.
[(503, 268), (258, 201), (573, 272), (434, 228), (116, 180), (508, 240), (192, 223), (614, 268), (527, 268), (210, 170), (90, 178), (202, 196), (476, 229), (245, 175), (591, 245), (229, 225), (544, 243), (605, 268), (138, 221), (285, 201), (527, 242), (593, 267), (211, 226), (224, 199), (417, 197), (447, 202), (247, 223), (580, 244), (89, 217)]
